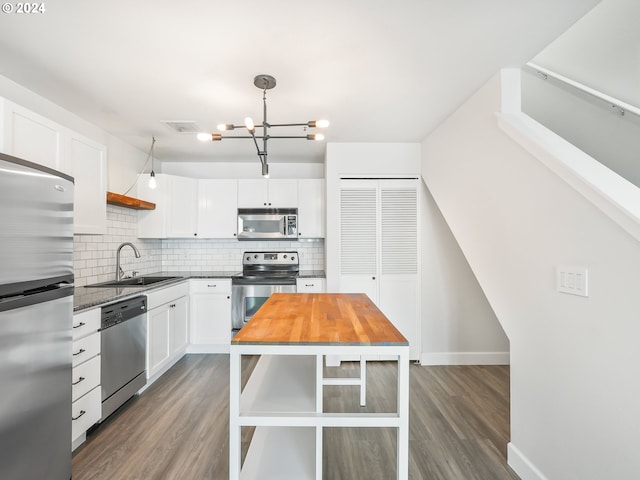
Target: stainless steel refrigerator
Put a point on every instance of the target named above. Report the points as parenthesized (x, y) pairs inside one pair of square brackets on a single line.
[(36, 310)]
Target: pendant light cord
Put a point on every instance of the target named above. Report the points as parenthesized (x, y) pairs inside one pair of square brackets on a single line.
[(146, 162)]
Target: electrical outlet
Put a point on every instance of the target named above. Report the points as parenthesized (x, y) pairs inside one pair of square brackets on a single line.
[(572, 280)]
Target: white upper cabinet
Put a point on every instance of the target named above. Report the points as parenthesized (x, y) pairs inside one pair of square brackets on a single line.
[(87, 164), (175, 215), (311, 208), (271, 193), (217, 208), (34, 138), (182, 207)]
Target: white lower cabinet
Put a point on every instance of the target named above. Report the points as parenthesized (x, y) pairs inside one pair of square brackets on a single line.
[(86, 407), (311, 285), (210, 315), (167, 328)]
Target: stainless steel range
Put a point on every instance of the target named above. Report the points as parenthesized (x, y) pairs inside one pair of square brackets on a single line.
[(263, 273)]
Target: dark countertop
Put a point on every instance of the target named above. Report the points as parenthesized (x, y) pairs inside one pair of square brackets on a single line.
[(88, 297), (311, 274)]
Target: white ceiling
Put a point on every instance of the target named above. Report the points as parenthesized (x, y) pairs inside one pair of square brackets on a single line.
[(380, 70)]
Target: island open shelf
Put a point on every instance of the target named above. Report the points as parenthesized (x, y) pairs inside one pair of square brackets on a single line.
[(283, 398)]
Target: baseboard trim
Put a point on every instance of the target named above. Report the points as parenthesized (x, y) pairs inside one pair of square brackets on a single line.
[(465, 358), (521, 464), (208, 348)]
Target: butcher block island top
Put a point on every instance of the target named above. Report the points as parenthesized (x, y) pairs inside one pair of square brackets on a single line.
[(319, 319)]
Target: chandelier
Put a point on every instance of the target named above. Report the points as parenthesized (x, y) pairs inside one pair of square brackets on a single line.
[(264, 82)]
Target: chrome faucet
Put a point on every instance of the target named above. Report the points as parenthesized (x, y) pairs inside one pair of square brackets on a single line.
[(119, 271)]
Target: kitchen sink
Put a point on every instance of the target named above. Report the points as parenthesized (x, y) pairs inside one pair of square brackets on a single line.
[(133, 282)]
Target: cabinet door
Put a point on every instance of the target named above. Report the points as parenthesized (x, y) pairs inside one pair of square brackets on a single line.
[(179, 326), (153, 223), (87, 163), (359, 238), (311, 208), (252, 193), (217, 208), (158, 352), (29, 136), (211, 319), (283, 194), (182, 207)]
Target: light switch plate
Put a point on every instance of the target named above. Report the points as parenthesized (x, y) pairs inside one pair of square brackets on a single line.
[(572, 280)]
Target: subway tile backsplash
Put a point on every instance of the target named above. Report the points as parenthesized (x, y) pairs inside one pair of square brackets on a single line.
[(94, 256)]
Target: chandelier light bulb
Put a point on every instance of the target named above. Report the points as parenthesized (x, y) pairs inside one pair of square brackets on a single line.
[(315, 136), (204, 137), (248, 122), (225, 126), (322, 123)]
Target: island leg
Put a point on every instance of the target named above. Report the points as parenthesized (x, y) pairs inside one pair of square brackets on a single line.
[(403, 415), (234, 415)]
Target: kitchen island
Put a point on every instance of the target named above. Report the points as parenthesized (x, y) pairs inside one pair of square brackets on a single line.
[(283, 399)]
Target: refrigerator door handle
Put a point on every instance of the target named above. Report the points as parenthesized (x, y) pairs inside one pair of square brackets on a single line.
[(46, 295)]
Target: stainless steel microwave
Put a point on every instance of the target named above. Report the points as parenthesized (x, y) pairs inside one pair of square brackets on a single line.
[(267, 223)]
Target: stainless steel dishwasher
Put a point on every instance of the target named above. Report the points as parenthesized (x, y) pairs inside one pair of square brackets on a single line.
[(123, 338)]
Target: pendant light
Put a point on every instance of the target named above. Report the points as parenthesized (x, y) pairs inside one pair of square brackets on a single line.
[(264, 83), (152, 175)]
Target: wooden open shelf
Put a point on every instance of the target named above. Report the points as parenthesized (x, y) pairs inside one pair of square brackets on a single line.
[(129, 202)]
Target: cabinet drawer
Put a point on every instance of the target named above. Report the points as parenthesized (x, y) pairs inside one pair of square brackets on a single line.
[(166, 295), (214, 285), (85, 377), (85, 348), (85, 323), (310, 285), (85, 411)]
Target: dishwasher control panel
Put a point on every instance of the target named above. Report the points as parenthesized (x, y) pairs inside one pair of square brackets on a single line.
[(119, 312)]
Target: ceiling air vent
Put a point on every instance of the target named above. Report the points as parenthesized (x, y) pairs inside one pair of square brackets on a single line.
[(182, 126)]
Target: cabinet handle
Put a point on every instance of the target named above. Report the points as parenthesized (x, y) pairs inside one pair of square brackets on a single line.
[(228, 297), (195, 234), (265, 204), (212, 286), (309, 285), (81, 324), (82, 350), (79, 380), (373, 278), (82, 412)]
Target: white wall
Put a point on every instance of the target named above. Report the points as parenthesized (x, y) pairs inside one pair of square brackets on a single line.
[(458, 325), (574, 360)]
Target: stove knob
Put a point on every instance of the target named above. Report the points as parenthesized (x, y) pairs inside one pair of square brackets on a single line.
[(255, 256), (248, 258), (293, 258), (285, 256)]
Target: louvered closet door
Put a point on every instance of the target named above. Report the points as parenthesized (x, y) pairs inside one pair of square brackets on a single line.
[(359, 237), (398, 285)]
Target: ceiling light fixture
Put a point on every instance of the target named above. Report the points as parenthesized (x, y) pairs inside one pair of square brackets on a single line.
[(264, 82)]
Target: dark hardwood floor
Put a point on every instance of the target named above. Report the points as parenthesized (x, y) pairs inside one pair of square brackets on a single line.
[(179, 428)]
